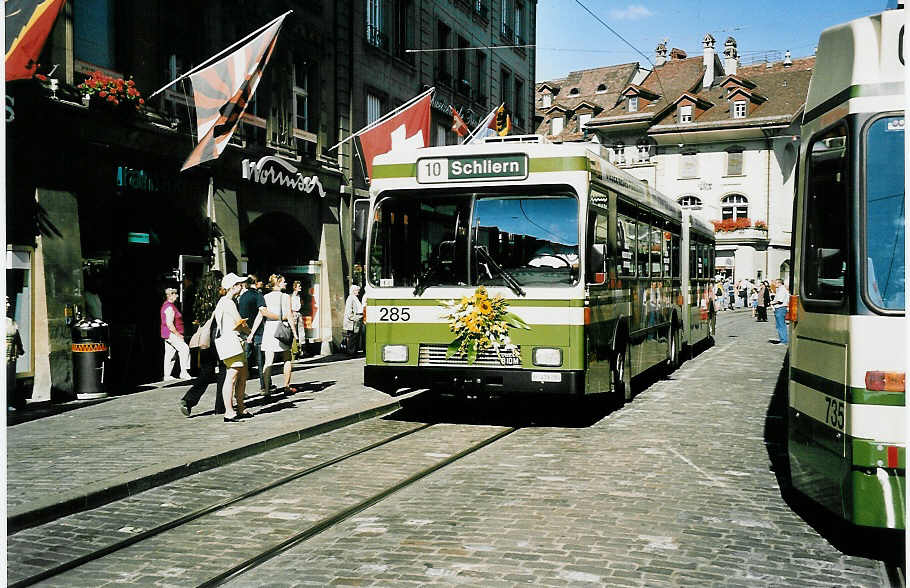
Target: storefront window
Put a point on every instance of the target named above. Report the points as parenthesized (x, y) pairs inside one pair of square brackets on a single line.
[(19, 291)]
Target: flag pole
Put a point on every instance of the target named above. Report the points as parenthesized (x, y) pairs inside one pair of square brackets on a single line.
[(483, 123), (384, 118), (216, 56)]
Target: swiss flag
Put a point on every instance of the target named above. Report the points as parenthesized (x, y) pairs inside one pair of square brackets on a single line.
[(458, 125), (410, 128)]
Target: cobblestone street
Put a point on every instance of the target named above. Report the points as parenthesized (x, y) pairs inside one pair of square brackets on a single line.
[(676, 488)]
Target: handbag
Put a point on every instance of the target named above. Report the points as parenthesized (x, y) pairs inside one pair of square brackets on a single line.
[(202, 338), (227, 344), (283, 332)]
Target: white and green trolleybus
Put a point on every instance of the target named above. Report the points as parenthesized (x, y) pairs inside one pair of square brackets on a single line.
[(517, 266), (846, 420)]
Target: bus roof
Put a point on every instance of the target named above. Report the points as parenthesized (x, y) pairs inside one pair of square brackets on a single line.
[(858, 59)]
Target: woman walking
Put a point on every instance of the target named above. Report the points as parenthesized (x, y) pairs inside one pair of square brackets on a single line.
[(204, 306), (296, 314), (278, 303), (230, 348)]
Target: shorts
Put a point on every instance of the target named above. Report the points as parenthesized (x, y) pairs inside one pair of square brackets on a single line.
[(235, 361)]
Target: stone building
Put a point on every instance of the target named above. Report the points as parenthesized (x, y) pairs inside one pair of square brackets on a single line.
[(718, 137)]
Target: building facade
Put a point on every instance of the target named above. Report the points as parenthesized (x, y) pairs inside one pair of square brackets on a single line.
[(718, 137)]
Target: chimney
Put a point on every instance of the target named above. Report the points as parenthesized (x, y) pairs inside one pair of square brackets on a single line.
[(660, 54), (677, 54), (708, 43), (731, 56), (787, 60)]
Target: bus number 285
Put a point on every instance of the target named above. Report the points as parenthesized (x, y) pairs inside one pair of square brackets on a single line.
[(835, 413), (394, 314)]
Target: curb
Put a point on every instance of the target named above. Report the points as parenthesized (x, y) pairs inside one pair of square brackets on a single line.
[(96, 495)]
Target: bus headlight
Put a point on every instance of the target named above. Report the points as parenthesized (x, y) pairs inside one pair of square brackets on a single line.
[(547, 356), (395, 353)]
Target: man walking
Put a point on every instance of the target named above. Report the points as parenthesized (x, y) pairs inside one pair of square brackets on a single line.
[(780, 302), (251, 305)]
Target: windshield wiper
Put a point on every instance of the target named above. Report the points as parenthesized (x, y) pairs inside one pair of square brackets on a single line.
[(510, 281), (424, 281)]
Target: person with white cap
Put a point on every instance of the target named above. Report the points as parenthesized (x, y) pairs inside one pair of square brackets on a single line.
[(172, 333), (230, 330)]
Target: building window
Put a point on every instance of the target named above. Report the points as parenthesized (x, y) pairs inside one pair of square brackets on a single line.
[(582, 121), (301, 105), (690, 202), (573, 92), (519, 19), (461, 82), (685, 114), (556, 125), (619, 153), (734, 206), (480, 77), (601, 89), (633, 103), (93, 27), (506, 20), (505, 86), (442, 57), (519, 109), (546, 100), (375, 32), (644, 152), (735, 162), (374, 108), (688, 164), (441, 135), (739, 109)]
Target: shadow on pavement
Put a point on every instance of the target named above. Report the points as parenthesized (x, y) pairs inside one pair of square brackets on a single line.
[(879, 544)]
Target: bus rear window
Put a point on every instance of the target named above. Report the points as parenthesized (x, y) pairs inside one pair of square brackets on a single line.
[(884, 218)]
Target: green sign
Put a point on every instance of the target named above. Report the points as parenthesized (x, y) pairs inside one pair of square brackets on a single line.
[(137, 238), (464, 169)]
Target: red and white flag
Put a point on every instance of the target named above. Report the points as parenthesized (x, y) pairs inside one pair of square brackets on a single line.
[(458, 124), (410, 128), (222, 91)]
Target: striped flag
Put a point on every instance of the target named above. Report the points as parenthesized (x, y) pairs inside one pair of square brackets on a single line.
[(31, 22), (222, 91)]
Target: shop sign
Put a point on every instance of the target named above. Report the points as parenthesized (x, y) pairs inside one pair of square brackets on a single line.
[(136, 179), (272, 170)]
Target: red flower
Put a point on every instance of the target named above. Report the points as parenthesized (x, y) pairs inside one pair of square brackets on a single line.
[(102, 94), (141, 101), (110, 98)]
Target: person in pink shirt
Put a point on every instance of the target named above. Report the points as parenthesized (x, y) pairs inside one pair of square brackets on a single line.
[(172, 334)]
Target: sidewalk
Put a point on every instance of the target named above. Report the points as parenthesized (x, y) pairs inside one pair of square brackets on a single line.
[(103, 451)]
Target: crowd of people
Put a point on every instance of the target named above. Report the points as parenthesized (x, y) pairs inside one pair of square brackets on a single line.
[(759, 295), (244, 328)]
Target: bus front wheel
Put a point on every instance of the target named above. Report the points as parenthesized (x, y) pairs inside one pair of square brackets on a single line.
[(622, 375)]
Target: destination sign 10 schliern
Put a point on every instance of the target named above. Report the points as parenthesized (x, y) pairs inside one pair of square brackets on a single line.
[(464, 169)]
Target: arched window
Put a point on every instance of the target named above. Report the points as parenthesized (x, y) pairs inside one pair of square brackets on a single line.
[(734, 206), (690, 202)]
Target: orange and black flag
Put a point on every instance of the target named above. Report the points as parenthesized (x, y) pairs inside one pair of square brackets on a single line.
[(458, 125), (28, 23), (502, 122), (222, 91)]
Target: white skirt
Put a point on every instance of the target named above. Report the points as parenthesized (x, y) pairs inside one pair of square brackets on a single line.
[(269, 342)]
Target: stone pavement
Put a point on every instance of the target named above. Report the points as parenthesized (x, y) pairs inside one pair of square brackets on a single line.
[(104, 451)]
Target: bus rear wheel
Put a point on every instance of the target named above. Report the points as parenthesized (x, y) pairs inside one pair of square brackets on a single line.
[(621, 372)]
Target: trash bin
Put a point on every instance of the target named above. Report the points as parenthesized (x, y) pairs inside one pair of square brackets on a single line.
[(90, 351)]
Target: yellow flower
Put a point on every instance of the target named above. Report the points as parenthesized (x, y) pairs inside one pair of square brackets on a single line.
[(485, 307)]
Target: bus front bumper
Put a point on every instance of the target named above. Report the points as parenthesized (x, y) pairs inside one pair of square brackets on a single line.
[(474, 381)]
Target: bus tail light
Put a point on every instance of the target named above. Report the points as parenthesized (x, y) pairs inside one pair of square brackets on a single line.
[(885, 381), (792, 305)]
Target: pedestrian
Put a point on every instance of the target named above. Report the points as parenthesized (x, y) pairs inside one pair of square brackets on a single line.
[(251, 305), (172, 334), (744, 292), (353, 321), (779, 304), (753, 300), (279, 305), (14, 350), (210, 292), (229, 330), (731, 293), (297, 314), (764, 300)]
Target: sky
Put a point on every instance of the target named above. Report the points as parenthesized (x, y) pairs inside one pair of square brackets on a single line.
[(570, 39)]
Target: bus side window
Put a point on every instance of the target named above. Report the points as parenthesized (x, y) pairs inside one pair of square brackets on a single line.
[(827, 200), (597, 247), (625, 236), (674, 256)]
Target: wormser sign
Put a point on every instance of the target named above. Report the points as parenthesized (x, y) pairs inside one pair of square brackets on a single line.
[(272, 170)]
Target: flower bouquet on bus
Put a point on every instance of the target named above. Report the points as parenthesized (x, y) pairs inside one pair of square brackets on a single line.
[(480, 323)]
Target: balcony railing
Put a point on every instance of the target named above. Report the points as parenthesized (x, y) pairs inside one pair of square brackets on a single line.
[(377, 38)]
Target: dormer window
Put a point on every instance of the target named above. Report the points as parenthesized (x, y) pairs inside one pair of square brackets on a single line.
[(582, 121), (601, 89), (739, 109), (556, 125), (633, 103), (546, 100), (685, 114), (573, 91)]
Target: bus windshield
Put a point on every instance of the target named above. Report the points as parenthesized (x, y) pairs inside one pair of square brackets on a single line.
[(511, 240), (884, 202)]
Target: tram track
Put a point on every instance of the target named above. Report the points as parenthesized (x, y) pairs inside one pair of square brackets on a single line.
[(274, 550)]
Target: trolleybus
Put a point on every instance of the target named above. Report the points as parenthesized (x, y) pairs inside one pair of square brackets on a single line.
[(517, 266), (846, 420)]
